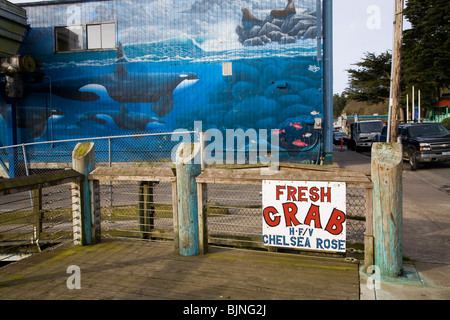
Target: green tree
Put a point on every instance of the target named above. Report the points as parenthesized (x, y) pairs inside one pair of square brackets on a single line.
[(339, 103), (371, 80), (446, 123), (426, 48)]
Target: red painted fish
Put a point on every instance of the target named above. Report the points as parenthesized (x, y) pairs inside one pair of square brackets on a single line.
[(299, 143), (278, 131), (297, 126)]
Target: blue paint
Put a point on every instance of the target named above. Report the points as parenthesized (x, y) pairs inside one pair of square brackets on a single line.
[(272, 84), (12, 139)]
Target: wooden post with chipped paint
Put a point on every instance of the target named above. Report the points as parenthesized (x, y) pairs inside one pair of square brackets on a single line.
[(188, 167), (83, 161), (387, 166)]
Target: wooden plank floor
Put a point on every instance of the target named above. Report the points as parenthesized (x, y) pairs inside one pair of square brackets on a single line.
[(127, 269)]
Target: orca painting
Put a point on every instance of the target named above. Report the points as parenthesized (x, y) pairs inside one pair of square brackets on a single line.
[(115, 67)]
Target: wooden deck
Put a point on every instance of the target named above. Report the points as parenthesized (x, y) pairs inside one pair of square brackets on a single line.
[(131, 269)]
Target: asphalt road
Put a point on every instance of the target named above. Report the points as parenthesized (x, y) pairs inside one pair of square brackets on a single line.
[(426, 208), (435, 175)]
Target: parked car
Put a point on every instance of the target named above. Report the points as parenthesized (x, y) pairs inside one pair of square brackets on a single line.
[(363, 134), (381, 137), (337, 136), (422, 142)]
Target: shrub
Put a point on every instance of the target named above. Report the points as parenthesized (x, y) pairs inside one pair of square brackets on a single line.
[(446, 123)]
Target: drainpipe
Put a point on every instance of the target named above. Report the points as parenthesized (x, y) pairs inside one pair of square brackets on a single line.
[(327, 131)]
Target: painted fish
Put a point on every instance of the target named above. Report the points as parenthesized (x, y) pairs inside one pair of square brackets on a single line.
[(278, 131), (297, 126), (313, 68), (307, 135), (315, 113), (299, 143)]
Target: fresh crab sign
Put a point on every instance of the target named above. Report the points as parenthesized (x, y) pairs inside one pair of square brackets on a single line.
[(306, 215)]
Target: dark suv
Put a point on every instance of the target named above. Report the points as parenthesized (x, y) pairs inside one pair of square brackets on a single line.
[(422, 142)]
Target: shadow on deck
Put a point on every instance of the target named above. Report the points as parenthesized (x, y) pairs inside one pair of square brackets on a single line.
[(127, 269)]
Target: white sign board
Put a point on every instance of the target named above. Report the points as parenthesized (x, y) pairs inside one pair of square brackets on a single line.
[(308, 215)]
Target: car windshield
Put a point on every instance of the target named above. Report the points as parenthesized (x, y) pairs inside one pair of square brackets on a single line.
[(427, 130), (370, 126)]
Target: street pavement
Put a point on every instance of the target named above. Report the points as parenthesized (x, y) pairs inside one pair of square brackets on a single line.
[(426, 241)]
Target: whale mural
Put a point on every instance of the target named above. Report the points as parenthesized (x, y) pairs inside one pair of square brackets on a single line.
[(123, 87), (123, 119), (33, 119), (168, 69)]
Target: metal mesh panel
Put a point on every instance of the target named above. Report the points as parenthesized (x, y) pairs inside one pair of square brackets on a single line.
[(233, 211), (136, 210), (35, 158), (27, 225), (356, 215), (234, 214)]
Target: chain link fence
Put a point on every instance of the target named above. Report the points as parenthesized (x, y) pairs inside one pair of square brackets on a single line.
[(234, 215), (34, 220), (33, 158), (139, 210)]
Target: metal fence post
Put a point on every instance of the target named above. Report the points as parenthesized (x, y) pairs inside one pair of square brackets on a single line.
[(202, 149), (38, 215), (94, 188)]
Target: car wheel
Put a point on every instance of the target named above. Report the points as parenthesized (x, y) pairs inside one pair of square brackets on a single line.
[(412, 159)]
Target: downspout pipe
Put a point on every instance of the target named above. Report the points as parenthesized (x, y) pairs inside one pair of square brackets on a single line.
[(327, 14)]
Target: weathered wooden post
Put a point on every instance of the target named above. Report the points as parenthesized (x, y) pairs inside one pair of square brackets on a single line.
[(202, 221), (368, 235), (146, 210), (83, 161), (188, 167), (387, 165)]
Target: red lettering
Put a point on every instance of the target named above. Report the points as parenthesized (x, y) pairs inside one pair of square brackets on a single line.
[(290, 209), (291, 193), (324, 194), (279, 192), (270, 218), (334, 225), (314, 194), (313, 214), (301, 193)]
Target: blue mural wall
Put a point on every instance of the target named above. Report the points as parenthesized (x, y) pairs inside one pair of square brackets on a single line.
[(169, 69)]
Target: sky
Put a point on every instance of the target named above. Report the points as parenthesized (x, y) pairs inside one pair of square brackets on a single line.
[(359, 26)]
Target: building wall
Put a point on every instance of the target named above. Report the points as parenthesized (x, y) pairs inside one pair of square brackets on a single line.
[(227, 63)]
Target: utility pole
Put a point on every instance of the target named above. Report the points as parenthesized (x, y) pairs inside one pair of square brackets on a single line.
[(386, 170), (396, 63)]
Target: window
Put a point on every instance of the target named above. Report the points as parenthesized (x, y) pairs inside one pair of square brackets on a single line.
[(98, 36), (69, 38), (101, 36)]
